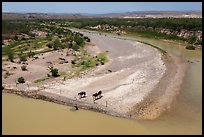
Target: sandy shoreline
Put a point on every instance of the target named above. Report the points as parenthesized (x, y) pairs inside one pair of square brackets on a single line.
[(165, 92), (151, 107), (142, 85)]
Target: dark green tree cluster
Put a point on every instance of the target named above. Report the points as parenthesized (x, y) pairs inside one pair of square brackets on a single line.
[(54, 72), (168, 23), (12, 27), (56, 45), (190, 47)]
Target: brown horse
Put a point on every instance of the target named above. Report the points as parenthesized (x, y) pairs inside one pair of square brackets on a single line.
[(82, 94), (97, 95)]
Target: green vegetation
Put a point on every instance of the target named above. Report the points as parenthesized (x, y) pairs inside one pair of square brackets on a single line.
[(21, 80), (147, 27), (190, 47), (168, 23), (191, 39), (9, 52), (31, 45), (57, 45), (41, 79), (153, 34), (54, 72), (57, 38), (88, 62), (144, 26), (31, 54), (22, 57), (79, 40), (14, 27), (102, 58)]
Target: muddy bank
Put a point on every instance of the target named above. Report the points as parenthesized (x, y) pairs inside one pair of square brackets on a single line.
[(163, 95)]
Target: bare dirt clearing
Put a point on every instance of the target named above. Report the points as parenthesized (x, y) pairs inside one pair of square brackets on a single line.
[(37, 68)]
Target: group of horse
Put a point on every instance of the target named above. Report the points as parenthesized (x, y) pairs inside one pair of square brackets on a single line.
[(95, 96)]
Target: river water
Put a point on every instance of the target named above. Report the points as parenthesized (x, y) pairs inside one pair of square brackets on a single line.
[(30, 116)]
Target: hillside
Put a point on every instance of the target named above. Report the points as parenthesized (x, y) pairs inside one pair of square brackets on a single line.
[(31, 16), (137, 14)]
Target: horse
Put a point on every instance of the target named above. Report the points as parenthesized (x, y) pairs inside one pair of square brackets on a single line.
[(97, 95), (82, 94)]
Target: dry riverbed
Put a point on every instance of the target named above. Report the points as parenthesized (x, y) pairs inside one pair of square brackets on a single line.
[(138, 81)]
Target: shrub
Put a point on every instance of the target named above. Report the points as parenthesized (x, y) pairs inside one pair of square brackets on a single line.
[(56, 44), (23, 57), (75, 47), (78, 40), (31, 54), (191, 39), (23, 68), (21, 80), (190, 47), (54, 72), (102, 58)]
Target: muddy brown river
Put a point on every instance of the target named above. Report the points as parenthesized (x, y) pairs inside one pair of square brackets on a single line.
[(30, 116)]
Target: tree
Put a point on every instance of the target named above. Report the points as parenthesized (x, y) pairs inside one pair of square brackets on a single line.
[(190, 47), (78, 40), (191, 39), (54, 72), (75, 47), (56, 44)]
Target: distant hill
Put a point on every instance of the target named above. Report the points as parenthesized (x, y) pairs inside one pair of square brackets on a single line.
[(31, 16), (156, 14), (135, 14)]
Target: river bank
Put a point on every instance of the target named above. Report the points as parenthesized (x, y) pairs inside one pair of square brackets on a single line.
[(133, 87), (153, 104), (165, 92)]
